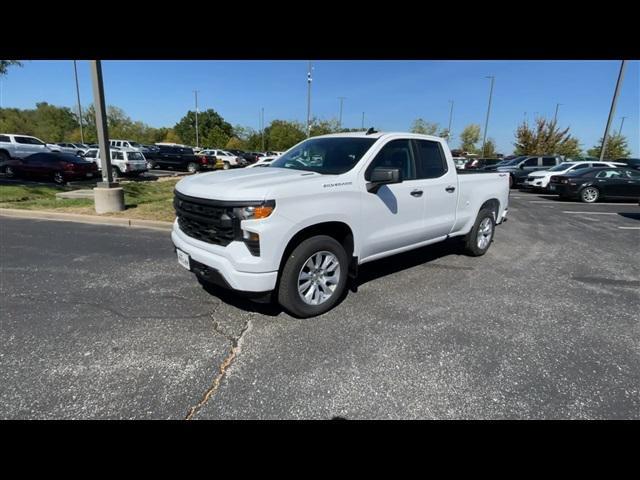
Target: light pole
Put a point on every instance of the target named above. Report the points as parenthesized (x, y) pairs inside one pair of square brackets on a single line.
[(108, 195), (486, 123), (621, 124), (262, 126), (555, 117), (363, 120), (340, 116), (197, 138), (309, 100), (612, 112), (75, 69), (450, 119)]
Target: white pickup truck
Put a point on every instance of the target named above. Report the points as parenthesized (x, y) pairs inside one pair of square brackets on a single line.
[(302, 226), (21, 146)]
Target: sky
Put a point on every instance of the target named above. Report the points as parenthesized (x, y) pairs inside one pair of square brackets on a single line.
[(390, 93)]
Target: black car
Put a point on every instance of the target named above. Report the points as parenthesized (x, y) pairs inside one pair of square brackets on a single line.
[(180, 158), (590, 185), (236, 152), (252, 157), (631, 162)]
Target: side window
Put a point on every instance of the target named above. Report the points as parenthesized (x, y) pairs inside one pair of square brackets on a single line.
[(118, 156), (580, 166), (4, 138), (431, 162), (90, 154), (635, 174), (532, 162), (548, 161), (395, 154)]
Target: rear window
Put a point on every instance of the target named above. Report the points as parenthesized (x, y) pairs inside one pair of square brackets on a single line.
[(135, 156), (431, 162), (4, 138), (28, 140)]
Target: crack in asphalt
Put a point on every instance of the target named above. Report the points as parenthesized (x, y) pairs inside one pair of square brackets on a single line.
[(236, 347)]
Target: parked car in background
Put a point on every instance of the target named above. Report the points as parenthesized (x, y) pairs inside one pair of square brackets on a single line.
[(73, 148), (57, 166), (208, 159), (481, 163), (180, 158), (630, 162), (540, 180), (263, 162), (228, 159), (593, 184), (124, 161), (520, 167), (236, 152), (126, 144), (251, 157), (460, 162), (21, 146)]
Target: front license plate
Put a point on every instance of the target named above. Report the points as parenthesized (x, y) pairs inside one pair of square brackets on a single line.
[(552, 187), (183, 259)]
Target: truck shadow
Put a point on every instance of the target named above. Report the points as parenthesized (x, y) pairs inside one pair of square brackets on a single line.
[(262, 305), (631, 215)]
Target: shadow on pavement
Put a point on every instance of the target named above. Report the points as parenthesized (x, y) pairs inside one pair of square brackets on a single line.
[(631, 215), (261, 305)]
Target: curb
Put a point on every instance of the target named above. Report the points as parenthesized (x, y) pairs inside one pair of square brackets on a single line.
[(92, 219)]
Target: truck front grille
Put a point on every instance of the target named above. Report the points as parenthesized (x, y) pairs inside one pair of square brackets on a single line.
[(199, 219)]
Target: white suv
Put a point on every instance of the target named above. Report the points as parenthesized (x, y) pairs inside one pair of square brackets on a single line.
[(228, 159), (124, 161)]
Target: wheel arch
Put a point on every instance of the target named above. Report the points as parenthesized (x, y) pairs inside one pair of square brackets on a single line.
[(494, 205)]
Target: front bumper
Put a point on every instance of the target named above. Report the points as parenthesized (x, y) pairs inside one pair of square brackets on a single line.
[(535, 183), (219, 269)]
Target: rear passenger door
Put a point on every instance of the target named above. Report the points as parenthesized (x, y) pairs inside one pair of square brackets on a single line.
[(439, 184)]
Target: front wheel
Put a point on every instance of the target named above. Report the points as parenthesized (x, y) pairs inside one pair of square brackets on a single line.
[(314, 277), (589, 195), (226, 166), (9, 172), (58, 177), (192, 167), (115, 173), (479, 239), (151, 164)]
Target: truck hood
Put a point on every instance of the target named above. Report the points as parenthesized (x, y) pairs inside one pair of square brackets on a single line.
[(244, 184)]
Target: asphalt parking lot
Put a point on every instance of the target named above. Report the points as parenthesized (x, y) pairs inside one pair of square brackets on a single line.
[(102, 322)]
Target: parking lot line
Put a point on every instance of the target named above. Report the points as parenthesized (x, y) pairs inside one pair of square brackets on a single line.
[(590, 213), (630, 228), (582, 204)]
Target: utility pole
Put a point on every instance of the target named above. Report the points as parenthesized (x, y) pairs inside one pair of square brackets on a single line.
[(621, 124), (450, 119), (340, 117), (108, 195), (197, 138), (486, 123), (309, 100), (262, 126), (555, 117), (75, 69), (363, 120), (613, 108)]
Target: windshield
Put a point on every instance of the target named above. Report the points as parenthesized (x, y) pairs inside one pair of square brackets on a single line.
[(513, 161), (135, 156), (562, 166), (326, 155), (135, 144)]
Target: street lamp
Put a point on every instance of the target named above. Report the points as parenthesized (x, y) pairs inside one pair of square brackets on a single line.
[(623, 65), (450, 118), (309, 100), (555, 117), (486, 123), (340, 116), (75, 69), (621, 124), (363, 120), (197, 138)]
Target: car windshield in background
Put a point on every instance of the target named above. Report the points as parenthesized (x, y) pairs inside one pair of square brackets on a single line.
[(513, 161), (135, 144), (562, 166), (135, 156), (328, 155)]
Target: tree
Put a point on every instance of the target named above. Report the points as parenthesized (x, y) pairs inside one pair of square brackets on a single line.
[(213, 130), (490, 148), (235, 143), (5, 64), (283, 134), (545, 138), (617, 147), (426, 128), (469, 137)]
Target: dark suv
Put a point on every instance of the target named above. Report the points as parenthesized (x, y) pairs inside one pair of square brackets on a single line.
[(179, 158), (520, 167)]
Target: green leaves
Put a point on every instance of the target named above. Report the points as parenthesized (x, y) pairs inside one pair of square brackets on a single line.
[(5, 64), (469, 137), (545, 138), (617, 147)]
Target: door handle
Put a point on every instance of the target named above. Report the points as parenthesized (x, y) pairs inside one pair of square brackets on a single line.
[(450, 189), (417, 193)]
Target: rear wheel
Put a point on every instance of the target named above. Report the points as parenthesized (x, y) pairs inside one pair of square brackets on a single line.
[(226, 166), (314, 277), (58, 177), (151, 164), (115, 173), (9, 172), (479, 239), (589, 195), (192, 167)]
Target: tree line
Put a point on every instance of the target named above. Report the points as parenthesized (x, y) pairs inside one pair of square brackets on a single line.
[(56, 124)]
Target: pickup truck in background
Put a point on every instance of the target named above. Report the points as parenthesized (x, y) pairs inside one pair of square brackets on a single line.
[(21, 146), (301, 227), (177, 157)]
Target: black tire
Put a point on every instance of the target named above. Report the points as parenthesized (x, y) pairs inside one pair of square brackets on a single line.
[(226, 166), (472, 242), (9, 171), (4, 157), (511, 181), (151, 164), (289, 297), (58, 177), (589, 195), (192, 167), (115, 173)]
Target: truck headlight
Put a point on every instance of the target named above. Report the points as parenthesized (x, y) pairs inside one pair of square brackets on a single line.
[(255, 212)]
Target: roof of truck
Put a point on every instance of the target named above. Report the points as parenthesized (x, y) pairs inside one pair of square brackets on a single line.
[(380, 134)]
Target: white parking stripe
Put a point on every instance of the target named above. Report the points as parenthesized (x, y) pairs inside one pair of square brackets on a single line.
[(581, 204), (630, 228), (590, 213)]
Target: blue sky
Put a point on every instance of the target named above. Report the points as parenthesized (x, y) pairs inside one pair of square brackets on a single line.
[(391, 93)]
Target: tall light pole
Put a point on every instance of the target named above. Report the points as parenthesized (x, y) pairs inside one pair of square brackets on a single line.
[(621, 124), (486, 123), (613, 108), (75, 69), (340, 116), (363, 120), (309, 100), (197, 138), (262, 126), (450, 119), (555, 117)]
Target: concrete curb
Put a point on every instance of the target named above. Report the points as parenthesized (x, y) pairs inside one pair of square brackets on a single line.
[(79, 218)]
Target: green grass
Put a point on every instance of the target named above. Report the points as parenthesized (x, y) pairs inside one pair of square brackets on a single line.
[(144, 200)]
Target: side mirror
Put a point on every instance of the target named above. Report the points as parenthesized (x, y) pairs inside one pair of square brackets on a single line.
[(522, 166), (383, 176)]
